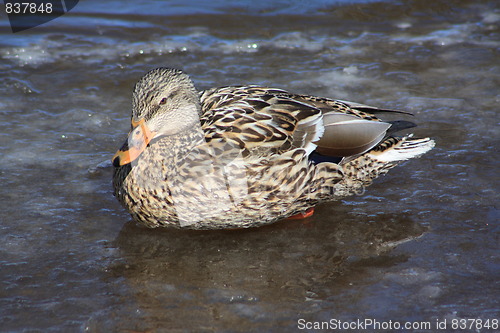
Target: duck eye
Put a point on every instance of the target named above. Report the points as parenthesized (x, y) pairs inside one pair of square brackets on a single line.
[(163, 101)]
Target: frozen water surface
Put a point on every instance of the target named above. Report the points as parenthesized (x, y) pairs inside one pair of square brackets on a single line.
[(421, 244)]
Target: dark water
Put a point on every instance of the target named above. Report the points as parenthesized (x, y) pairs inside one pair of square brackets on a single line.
[(420, 245)]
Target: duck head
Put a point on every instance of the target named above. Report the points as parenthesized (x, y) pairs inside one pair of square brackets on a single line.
[(165, 102)]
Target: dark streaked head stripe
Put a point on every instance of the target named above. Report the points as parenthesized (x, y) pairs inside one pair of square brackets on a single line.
[(147, 91)]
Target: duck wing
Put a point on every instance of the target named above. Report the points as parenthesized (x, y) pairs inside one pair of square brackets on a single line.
[(260, 121), (352, 128), (264, 121)]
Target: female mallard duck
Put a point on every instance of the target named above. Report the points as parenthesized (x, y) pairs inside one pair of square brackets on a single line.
[(246, 156)]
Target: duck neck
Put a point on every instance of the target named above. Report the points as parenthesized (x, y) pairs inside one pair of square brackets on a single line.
[(181, 143)]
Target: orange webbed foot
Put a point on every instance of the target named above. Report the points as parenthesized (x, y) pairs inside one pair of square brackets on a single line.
[(308, 213)]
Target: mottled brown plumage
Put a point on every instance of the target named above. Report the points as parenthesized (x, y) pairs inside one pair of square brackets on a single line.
[(238, 157)]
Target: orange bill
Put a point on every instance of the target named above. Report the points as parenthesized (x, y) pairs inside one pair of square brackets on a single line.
[(138, 139)]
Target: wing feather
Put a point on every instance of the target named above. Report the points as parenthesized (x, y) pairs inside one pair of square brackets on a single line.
[(261, 120), (272, 121)]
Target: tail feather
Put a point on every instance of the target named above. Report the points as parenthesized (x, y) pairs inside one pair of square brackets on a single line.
[(401, 149), (361, 171)]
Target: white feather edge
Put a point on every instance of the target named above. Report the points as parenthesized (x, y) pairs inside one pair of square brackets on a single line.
[(404, 150), (319, 130)]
